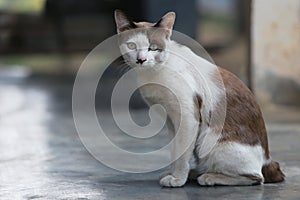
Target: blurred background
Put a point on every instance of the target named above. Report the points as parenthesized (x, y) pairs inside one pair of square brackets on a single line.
[(43, 43), (52, 37)]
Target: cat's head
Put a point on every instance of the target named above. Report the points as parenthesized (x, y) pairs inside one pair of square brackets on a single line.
[(144, 44)]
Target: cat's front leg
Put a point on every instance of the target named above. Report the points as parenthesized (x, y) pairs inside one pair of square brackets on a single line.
[(179, 174), (184, 141)]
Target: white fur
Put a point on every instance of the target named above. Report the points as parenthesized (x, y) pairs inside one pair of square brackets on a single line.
[(228, 162), (233, 159), (187, 74)]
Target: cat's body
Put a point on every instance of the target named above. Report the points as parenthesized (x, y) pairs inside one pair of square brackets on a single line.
[(193, 92)]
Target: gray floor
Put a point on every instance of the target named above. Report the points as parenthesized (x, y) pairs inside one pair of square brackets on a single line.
[(41, 156)]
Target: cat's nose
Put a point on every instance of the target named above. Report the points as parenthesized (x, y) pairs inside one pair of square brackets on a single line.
[(140, 60)]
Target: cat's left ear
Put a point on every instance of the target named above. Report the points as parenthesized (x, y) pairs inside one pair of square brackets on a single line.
[(123, 22), (167, 22)]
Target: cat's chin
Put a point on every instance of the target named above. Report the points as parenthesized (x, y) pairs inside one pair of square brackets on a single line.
[(144, 66), (149, 67)]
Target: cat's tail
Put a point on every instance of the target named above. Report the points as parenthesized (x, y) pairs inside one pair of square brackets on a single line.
[(272, 173)]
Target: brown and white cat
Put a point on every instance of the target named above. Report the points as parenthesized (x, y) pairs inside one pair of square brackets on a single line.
[(241, 154)]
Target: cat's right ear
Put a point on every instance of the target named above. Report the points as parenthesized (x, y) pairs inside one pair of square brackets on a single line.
[(123, 22), (167, 23)]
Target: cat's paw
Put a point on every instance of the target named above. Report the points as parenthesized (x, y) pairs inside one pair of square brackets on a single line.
[(164, 175), (171, 181), (206, 180)]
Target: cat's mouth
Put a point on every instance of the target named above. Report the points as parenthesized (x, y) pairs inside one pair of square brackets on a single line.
[(139, 62)]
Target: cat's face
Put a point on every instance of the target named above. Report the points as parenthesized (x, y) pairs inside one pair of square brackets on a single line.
[(144, 44), (144, 48)]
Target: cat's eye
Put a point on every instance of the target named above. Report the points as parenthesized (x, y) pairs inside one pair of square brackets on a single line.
[(131, 45), (153, 47)]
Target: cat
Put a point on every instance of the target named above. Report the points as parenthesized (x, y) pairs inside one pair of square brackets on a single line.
[(241, 154)]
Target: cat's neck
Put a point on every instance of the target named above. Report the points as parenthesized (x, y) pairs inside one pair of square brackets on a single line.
[(183, 66), (204, 74), (185, 54)]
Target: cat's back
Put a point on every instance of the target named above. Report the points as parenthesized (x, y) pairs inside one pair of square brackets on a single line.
[(244, 122)]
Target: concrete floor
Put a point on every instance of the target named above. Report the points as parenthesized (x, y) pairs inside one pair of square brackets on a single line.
[(41, 156)]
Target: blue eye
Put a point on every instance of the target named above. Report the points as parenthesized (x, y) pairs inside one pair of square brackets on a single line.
[(131, 45)]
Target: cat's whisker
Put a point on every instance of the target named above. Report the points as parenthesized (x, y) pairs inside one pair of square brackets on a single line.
[(122, 68)]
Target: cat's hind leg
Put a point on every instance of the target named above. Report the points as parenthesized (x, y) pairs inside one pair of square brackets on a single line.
[(234, 164), (211, 179)]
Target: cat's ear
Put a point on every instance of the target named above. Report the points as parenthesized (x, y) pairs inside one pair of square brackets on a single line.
[(123, 22), (167, 22)]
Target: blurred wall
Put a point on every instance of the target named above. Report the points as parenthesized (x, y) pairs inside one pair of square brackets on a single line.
[(276, 51)]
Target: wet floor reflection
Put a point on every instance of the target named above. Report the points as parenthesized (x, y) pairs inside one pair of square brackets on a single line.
[(37, 148), (41, 156), (23, 141)]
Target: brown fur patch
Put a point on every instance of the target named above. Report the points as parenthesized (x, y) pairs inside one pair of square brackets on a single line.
[(272, 173), (143, 24), (126, 28), (157, 36), (244, 122)]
